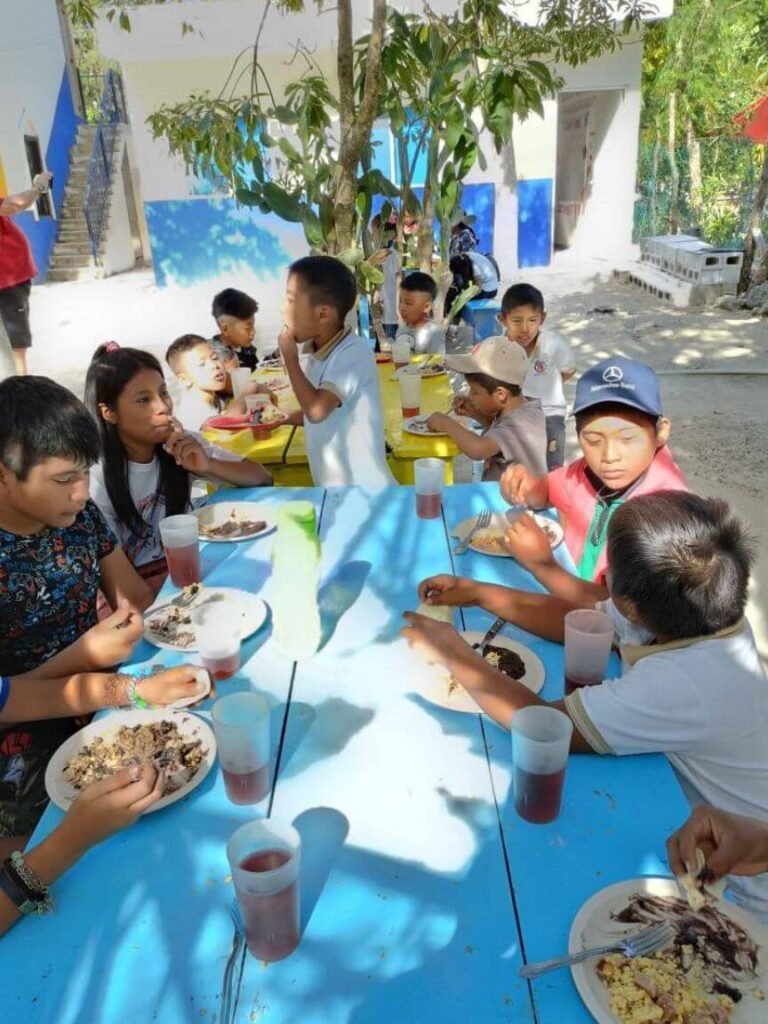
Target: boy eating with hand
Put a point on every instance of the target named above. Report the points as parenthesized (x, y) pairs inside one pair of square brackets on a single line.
[(623, 435), (692, 685), (515, 430), (338, 388), (550, 358), (200, 371), (418, 292)]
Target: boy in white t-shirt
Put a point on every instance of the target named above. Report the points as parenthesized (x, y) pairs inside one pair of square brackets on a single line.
[(692, 687), (550, 356), (338, 387)]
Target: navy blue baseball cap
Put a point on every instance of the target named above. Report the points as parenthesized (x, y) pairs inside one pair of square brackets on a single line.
[(622, 381)]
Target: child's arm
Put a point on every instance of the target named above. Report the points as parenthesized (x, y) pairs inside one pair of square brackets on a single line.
[(102, 808), (497, 694), (121, 584), (103, 646), (527, 542), (463, 406), (192, 456), (519, 486), (317, 404), (472, 445), (39, 698), (541, 614)]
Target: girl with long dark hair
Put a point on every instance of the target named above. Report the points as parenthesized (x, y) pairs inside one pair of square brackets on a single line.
[(150, 468)]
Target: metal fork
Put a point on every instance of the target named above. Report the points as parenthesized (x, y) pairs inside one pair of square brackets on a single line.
[(483, 520), (644, 943), (227, 985)]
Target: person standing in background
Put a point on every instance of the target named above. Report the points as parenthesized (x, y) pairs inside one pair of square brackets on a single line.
[(17, 268)]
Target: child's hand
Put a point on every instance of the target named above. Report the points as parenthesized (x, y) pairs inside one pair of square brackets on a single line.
[(462, 406), (437, 421), (731, 843), (111, 641), (439, 641), (189, 454), (288, 342), (449, 590), (525, 540), (163, 688), (109, 805), (518, 484)]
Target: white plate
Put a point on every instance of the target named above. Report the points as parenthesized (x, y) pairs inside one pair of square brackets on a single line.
[(252, 610), (415, 425), (422, 369), (593, 926), (62, 793), (435, 687), (220, 512), (500, 521)]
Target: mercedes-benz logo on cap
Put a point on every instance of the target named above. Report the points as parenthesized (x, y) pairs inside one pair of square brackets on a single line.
[(613, 374)]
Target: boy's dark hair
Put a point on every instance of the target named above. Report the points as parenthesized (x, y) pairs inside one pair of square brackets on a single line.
[(111, 369), (182, 345), (521, 295), (328, 281), (418, 281), (611, 409), (39, 420), (232, 302), (682, 560), (489, 384)]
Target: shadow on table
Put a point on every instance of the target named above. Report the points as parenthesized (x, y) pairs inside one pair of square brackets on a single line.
[(284, 742), (333, 723), (338, 593), (323, 832)]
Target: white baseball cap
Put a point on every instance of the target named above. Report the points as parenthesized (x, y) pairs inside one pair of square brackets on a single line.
[(496, 357)]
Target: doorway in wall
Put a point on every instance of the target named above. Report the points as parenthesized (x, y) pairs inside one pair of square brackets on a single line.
[(44, 204)]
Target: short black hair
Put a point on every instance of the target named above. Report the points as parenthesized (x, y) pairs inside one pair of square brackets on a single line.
[(39, 420), (684, 561), (418, 281), (489, 384), (328, 281), (521, 295), (234, 303), (181, 345), (611, 409)]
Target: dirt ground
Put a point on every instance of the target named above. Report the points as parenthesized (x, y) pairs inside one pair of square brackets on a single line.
[(713, 366)]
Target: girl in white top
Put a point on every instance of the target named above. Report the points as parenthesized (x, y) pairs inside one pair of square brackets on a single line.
[(150, 467)]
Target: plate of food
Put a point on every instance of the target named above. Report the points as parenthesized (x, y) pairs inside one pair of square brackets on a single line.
[(423, 369), (180, 743), (418, 425), (167, 623), (277, 383), (509, 656), (714, 972), (227, 521), (489, 541), (271, 364)]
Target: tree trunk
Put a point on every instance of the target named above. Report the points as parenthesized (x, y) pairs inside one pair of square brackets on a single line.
[(674, 192), (653, 211), (427, 222), (694, 166), (755, 218), (355, 123)]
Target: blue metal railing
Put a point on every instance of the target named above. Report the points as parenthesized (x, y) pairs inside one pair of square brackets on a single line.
[(110, 115)]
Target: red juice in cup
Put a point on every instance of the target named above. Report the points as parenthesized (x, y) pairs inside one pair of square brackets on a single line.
[(428, 506), (537, 797), (412, 410), (222, 668), (247, 787), (184, 565), (572, 683)]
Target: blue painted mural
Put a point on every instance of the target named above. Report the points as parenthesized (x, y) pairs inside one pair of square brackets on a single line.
[(42, 233), (534, 222), (197, 239)]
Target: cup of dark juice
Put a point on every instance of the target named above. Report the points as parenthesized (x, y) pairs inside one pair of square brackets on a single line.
[(264, 857), (541, 739), (588, 639), (181, 544), (429, 477), (241, 725)]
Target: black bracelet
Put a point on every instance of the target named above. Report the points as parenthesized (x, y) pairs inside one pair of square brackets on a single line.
[(9, 886)]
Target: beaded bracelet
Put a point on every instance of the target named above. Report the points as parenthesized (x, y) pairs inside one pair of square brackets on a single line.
[(23, 887), (133, 695)]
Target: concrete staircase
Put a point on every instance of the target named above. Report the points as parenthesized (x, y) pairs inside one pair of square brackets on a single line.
[(71, 258)]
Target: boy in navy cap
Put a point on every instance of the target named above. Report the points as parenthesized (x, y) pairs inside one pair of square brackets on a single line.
[(623, 435)]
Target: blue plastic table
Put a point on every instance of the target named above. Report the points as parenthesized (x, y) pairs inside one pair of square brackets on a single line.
[(421, 890)]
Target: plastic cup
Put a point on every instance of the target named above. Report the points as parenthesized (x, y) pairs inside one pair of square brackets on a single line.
[(217, 631), (588, 639), (541, 739), (429, 476), (401, 353), (179, 535), (264, 858), (240, 379), (241, 724), (410, 394)]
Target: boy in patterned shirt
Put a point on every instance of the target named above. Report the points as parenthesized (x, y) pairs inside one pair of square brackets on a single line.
[(56, 552)]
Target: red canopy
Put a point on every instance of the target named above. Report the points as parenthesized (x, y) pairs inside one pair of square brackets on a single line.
[(754, 121)]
